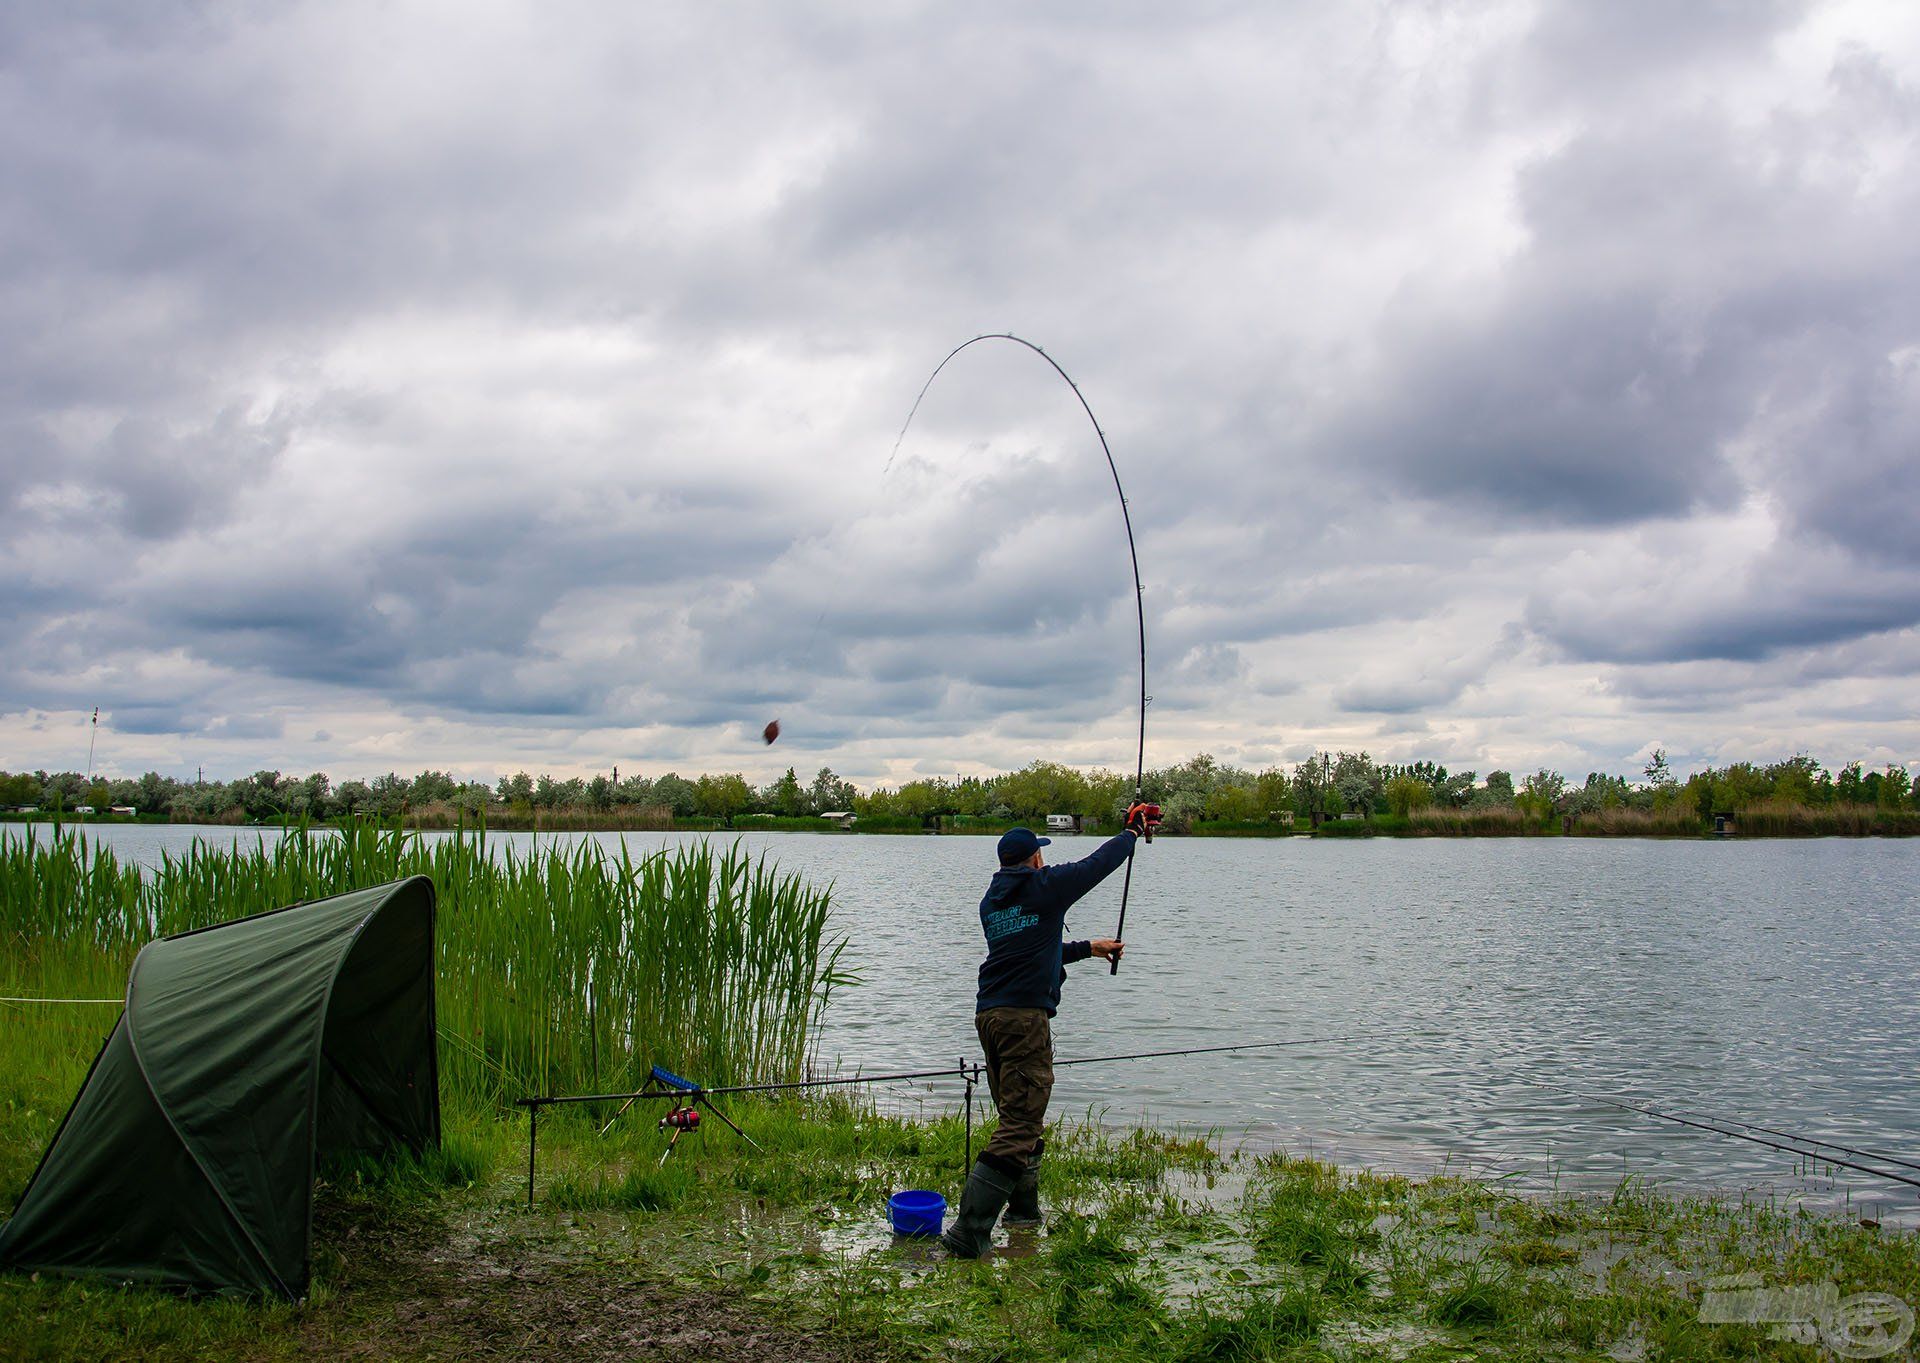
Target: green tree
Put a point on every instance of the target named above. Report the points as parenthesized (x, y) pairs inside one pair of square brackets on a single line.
[(1546, 785), (1600, 791), (721, 797), (18, 789), (1740, 785), (353, 797), (1793, 780), (1407, 793), (1107, 796), (263, 795), (1896, 787), (63, 790), (1358, 780), (785, 796), (1273, 793), (1497, 792), (830, 794), (1236, 803), (1041, 789), (677, 794), (311, 795), (388, 795), (156, 793), (432, 788)]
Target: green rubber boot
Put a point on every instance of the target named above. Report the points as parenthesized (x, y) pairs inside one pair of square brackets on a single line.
[(971, 1233), (1023, 1204)]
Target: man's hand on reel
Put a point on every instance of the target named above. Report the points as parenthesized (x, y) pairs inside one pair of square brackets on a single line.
[(1143, 819)]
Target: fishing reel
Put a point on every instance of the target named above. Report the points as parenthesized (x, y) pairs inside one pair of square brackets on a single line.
[(1144, 819), (681, 1119)]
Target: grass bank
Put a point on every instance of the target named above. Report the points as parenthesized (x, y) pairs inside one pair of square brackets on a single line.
[(1158, 1247)]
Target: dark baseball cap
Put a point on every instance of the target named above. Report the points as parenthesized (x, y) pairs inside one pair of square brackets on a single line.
[(1017, 844)]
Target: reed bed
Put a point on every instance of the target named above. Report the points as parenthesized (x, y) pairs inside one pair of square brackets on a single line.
[(613, 819), (1621, 822), (1784, 819), (1503, 822), (560, 969)]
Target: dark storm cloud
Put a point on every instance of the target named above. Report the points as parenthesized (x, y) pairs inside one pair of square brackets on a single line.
[(1792, 598), (1664, 299), (1868, 501), (1792, 676), (1602, 53)]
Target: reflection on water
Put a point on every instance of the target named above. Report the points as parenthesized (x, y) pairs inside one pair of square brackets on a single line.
[(1775, 982)]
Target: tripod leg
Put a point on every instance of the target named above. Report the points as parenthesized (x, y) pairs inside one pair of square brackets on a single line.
[(733, 1125), (677, 1131), (644, 1088)]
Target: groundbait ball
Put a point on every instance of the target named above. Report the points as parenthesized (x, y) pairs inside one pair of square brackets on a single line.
[(772, 731)]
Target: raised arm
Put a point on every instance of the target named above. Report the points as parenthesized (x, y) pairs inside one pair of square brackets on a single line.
[(1070, 880)]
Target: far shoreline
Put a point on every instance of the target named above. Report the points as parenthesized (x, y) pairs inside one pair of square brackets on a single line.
[(1798, 824)]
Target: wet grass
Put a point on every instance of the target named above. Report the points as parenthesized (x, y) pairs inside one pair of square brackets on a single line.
[(1157, 1248)]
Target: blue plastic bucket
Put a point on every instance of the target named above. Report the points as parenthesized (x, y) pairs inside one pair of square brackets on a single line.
[(917, 1212)]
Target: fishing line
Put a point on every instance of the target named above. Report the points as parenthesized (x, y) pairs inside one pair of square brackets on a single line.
[(1730, 1129), (1896, 1160), (946, 1072), (1133, 554), (1212, 1050)]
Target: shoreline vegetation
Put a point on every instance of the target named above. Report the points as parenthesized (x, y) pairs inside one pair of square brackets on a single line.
[(1160, 1245), (1332, 794)]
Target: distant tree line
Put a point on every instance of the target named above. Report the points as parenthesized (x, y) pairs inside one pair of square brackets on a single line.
[(1200, 791)]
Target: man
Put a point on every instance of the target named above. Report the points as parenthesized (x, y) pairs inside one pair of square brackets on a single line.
[(1022, 915)]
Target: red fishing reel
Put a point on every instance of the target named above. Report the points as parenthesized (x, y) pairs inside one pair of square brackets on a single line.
[(681, 1119), (1144, 819)]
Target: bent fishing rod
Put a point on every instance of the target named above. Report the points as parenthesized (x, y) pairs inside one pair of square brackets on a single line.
[(1133, 554)]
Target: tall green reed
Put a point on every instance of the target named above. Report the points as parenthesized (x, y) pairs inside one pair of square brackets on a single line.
[(560, 969)]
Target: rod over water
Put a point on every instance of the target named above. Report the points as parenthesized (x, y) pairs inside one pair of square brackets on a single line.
[(1133, 555)]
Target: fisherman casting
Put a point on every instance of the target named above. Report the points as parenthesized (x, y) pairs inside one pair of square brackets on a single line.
[(1023, 914)]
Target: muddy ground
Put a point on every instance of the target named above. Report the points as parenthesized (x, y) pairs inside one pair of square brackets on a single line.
[(429, 1284)]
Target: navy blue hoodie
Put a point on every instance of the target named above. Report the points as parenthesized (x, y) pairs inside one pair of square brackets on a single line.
[(1022, 915)]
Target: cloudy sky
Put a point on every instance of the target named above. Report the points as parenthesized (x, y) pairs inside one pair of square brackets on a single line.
[(485, 387)]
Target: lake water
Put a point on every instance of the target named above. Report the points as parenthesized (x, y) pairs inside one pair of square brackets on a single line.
[(1474, 982)]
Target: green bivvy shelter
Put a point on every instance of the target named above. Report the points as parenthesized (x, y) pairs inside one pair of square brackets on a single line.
[(246, 1053)]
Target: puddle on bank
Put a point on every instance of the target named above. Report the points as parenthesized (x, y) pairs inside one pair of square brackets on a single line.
[(1193, 1238)]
